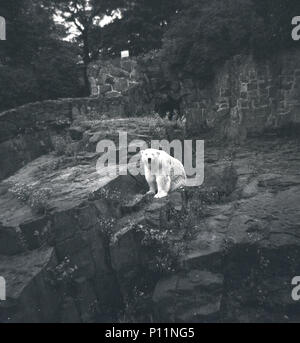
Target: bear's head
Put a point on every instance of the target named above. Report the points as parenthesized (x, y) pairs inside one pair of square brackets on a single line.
[(148, 155)]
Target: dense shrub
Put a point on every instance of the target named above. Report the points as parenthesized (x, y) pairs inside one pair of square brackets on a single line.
[(272, 26), (57, 78), (17, 86), (206, 33), (35, 62)]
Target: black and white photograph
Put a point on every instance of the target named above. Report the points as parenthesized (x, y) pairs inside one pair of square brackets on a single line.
[(149, 164)]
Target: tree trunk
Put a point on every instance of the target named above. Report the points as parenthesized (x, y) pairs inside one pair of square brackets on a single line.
[(87, 86), (86, 61)]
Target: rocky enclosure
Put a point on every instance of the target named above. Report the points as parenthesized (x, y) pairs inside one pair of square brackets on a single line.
[(246, 98), (77, 246), (80, 246)]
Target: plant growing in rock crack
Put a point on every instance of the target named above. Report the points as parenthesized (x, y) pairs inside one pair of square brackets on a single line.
[(137, 307), (36, 199), (64, 146), (53, 165), (227, 245), (157, 131), (21, 191), (157, 126), (187, 221), (106, 226), (59, 144), (111, 194), (162, 256), (162, 127), (65, 272)]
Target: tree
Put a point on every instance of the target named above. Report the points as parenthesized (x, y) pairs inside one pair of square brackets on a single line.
[(35, 62), (272, 27), (140, 27), (206, 33), (83, 18), (27, 24)]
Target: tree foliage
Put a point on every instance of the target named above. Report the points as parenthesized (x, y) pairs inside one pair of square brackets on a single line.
[(35, 63), (140, 27), (272, 26), (194, 37), (84, 18), (208, 32)]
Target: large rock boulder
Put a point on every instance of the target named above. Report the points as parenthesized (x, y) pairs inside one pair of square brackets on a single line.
[(31, 293)]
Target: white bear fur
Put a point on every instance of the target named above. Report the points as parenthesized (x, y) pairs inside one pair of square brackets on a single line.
[(163, 172)]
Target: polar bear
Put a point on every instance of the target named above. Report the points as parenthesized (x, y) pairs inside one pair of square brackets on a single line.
[(163, 172)]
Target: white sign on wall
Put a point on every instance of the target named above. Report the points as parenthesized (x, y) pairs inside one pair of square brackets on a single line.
[(124, 53)]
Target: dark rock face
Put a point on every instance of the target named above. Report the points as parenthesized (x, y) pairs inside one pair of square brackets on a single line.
[(80, 217), (193, 296), (76, 133), (103, 251), (16, 152), (239, 252), (252, 240), (11, 242), (31, 294), (247, 244)]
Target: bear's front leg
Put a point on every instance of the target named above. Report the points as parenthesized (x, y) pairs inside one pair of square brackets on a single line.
[(163, 186), (151, 180)]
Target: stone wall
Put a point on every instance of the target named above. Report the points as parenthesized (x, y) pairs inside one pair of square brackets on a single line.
[(121, 79), (25, 132), (247, 98), (114, 77)]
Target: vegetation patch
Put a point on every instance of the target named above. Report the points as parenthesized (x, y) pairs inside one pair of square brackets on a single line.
[(36, 199)]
